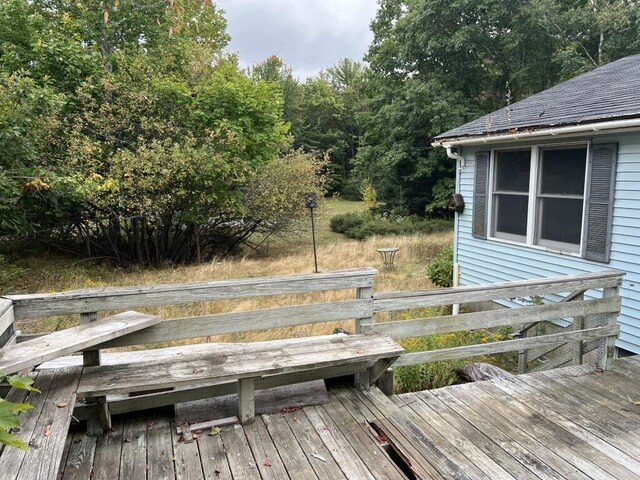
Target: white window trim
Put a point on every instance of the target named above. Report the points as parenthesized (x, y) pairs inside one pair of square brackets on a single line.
[(532, 212)]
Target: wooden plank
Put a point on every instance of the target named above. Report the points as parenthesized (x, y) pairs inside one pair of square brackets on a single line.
[(575, 462), (133, 460), (319, 352), (390, 301), (159, 449), (341, 451), (312, 445), (508, 461), (65, 454), (505, 346), (106, 464), (609, 347), (350, 430), (213, 457), (114, 298), (583, 409), (271, 400), (494, 318), (48, 438), (437, 428), (426, 449), (79, 462), (241, 461), (526, 449), (142, 402), (6, 315), (408, 450), (290, 451), (264, 451), (33, 352), (608, 457), (236, 322), (186, 458)]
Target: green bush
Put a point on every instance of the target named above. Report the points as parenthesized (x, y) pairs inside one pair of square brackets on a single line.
[(361, 226), (440, 270)]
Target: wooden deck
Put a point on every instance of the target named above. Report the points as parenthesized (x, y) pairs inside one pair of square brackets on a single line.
[(567, 423)]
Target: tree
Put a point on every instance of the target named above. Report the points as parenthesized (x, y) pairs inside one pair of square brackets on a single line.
[(156, 150), (435, 64)]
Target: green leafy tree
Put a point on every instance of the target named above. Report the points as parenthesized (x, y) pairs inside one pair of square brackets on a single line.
[(435, 64)]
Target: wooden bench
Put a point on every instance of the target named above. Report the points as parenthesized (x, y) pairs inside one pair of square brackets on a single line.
[(44, 427), (256, 365)]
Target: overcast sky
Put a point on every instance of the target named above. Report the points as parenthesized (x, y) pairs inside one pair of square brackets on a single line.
[(307, 34)]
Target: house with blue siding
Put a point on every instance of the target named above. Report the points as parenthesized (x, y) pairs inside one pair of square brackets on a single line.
[(551, 186)]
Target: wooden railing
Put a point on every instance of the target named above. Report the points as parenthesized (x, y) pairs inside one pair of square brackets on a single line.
[(606, 303), (88, 303)]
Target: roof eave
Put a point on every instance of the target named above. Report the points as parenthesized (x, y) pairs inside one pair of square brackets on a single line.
[(594, 128)]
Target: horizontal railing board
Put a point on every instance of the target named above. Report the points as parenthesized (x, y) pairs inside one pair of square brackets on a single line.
[(91, 300), (392, 301), (7, 318), (251, 320), (505, 346), (495, 318)]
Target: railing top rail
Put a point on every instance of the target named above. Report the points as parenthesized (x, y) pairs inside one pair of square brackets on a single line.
[(98, 299), (554, 282)]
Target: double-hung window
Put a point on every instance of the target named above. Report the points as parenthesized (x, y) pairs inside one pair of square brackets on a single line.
[(537, 196), (558, 197)]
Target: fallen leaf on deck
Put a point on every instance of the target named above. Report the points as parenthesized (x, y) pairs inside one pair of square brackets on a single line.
[(215, 431), (217, 472), (126, 440), (266, 463), (63, 404), (174, 458), (47, 431), (636, 403)]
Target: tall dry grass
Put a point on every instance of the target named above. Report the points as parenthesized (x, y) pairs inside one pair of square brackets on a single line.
[(415, 253)]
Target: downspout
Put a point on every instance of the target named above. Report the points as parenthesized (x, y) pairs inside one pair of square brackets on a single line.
[(460, 164)]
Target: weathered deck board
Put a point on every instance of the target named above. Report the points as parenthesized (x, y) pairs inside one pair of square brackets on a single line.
[(568, 423), (44, 427)]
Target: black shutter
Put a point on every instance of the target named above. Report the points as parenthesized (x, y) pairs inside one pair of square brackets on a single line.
[(480, 192), (599, 198)]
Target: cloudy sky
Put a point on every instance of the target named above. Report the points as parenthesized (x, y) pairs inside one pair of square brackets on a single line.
[(307, 34)]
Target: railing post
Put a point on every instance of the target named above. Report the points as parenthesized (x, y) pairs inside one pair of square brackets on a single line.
[(91, 358), (365, 293), (523, 355), (578, 346), (607, 353)]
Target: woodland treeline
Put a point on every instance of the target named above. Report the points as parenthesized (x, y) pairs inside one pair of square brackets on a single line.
[(127, 131)]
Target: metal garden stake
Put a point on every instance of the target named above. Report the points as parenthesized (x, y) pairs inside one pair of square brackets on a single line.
[(311, 202)]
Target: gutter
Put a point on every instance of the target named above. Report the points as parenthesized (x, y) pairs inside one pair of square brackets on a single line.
[(601, 127)]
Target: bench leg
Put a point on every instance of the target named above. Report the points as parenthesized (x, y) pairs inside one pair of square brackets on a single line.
[(101, 421), (246, 400)]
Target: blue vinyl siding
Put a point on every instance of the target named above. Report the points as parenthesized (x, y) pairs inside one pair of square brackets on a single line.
[(490, 261)]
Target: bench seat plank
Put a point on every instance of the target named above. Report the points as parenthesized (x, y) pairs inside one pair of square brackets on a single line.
[(44, 428), (33, 352), (255, 360)]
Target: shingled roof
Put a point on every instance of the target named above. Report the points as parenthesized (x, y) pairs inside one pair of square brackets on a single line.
[(610, 92)]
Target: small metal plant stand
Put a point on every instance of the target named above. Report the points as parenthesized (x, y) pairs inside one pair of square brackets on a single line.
[(388, 255)]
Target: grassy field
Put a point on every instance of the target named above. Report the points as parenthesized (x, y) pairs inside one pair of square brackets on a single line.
[(51, 271)]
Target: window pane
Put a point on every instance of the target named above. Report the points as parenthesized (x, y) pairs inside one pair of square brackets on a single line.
[(511, 214), (563, 171), (561, 220), (512, 171)]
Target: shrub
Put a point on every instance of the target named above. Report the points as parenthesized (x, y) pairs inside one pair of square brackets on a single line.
[(361, 226), (440, 270), (442, 374)]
